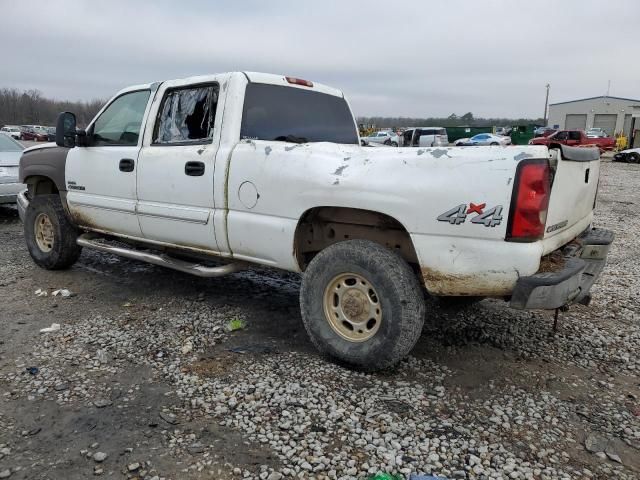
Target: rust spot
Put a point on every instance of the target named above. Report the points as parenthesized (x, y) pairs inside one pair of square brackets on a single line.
[(440, 283), (554, 262)]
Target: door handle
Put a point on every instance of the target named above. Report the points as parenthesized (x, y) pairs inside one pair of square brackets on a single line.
[(194, 169), (126, 165)]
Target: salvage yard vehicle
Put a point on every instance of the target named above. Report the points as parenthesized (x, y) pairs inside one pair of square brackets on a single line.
[(10, 152), (424, 137), (12, 131), (384, 137), (483, 139), (574, 138), (265, 169), (630, 155)]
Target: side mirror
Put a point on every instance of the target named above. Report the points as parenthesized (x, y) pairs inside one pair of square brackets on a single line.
[(66, 130)]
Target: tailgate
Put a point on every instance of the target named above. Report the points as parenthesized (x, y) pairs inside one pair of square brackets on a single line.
[(573, 192)]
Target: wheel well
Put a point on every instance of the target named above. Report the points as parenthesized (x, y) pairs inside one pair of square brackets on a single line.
[(40, 185), (323, 226), (554, 145)]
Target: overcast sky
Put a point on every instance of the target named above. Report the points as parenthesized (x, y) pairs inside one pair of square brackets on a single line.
[(406, 58)]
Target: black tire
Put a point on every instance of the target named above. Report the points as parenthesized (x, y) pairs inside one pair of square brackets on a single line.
[(397, 290), (633, 157), (494, 144), (387, 142), (64, 251), (394, 144)]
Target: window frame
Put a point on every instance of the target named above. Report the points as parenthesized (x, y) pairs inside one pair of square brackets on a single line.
[(156, 122), (106, 107)]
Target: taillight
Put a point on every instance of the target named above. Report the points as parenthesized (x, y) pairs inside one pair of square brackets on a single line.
[(299, 81), (529, 202)]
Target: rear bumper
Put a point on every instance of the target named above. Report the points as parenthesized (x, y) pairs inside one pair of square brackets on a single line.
[(22, 202), (584, 259)]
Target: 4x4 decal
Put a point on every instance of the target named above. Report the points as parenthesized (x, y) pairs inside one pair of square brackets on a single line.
[(458, 214)]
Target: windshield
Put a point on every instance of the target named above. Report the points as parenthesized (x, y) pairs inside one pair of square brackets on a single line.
[(7, 144)]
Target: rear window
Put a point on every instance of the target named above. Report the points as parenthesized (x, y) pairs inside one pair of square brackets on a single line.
[(274, 112)]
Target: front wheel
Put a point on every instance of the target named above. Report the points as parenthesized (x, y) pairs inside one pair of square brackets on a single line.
[(634, 157), (362, 304), (394, 144), (50, 236), (494, 144)]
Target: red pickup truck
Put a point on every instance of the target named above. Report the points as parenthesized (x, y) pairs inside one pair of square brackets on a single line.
[(574, 138)]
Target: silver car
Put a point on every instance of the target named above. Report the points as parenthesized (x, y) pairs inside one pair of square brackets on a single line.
[(384, 137), (10, 153), (483, 139)]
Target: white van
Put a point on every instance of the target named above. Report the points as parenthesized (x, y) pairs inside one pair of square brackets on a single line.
[(425, 137)]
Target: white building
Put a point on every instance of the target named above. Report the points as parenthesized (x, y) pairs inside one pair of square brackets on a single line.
[(613, 114)]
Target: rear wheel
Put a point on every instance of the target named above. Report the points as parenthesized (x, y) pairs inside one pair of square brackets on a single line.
[(50, 236), (494, 144), (634, 157), (394, 144), (362, 304)]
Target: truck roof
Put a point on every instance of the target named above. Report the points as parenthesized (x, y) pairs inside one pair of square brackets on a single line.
[(256, 77)]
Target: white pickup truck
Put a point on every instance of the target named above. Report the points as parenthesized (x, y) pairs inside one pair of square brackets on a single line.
[(265, 169)]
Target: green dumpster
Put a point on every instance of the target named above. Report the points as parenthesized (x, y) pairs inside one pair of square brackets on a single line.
[(521, 134)]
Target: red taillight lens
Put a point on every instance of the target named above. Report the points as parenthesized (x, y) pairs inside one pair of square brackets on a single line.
[(530, 201), (299, 81)]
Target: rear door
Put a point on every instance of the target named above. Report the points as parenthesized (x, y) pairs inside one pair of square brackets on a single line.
[(101, 177), (176, 177)]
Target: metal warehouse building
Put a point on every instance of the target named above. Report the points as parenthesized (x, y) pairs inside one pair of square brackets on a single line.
[(613, 114)]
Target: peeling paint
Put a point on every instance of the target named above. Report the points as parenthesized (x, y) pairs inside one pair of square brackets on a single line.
[(420, 152), (201, 150), (439, 152), (341, 169), (337, 182), (288, 149), (346, 159), (522, 156), (224, 86), (509, 181), (267, 150)]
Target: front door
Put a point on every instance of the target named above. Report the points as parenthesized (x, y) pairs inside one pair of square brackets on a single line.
[(101, 177), (175, 176)]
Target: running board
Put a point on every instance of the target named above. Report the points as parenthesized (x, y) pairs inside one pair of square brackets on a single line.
[(91, 241)]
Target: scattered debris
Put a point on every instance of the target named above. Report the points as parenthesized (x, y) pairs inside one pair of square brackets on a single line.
[(170, 418), (32, 370), (236, 323), (132, 467), (255, 348), (41, 293), (53, 328), (63, 292)]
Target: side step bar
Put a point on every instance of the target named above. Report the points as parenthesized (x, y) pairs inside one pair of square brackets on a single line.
[(91, 241)]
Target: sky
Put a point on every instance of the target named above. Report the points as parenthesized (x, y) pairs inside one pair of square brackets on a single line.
[(408, 58)]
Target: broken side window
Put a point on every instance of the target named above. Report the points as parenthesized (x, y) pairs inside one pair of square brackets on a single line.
[(187, 115)]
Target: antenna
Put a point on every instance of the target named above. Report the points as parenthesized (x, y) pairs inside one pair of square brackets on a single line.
[(608, 87)]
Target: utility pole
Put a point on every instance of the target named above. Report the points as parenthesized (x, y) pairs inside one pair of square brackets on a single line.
[(546, 105)]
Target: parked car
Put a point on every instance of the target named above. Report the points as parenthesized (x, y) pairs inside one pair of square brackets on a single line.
[(596, 133), (10, 152), (51, 134), (544, 131), (283, 181), (483, 139), (12, 131), (424, 137), (503, 131), (631, 155), (41, 134), (574, 138), (384, 137)]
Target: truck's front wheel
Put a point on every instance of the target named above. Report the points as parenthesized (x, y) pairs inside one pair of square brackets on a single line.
[(50, 236), (362, 304)]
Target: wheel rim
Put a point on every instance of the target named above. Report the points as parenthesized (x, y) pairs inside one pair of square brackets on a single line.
[(352, 307), (43, 229)]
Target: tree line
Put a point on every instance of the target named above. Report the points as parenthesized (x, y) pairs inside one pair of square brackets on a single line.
[(30, 107), (453, 120)]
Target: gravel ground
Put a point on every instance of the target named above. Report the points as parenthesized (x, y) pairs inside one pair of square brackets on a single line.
[(145, 380)]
